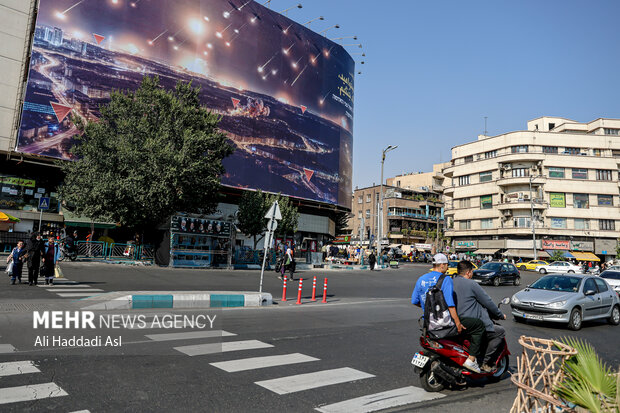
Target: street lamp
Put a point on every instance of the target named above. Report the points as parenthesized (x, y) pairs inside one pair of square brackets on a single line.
[(335, 26), (380, 229), (532, 177), (299, 6), (310, 21), (353, 44), (342, 38)]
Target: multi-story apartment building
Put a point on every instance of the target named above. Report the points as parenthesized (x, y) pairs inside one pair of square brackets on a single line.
[(408, 216), (422, 180), (563, 171)]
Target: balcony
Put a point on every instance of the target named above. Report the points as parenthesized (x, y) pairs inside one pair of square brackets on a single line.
[(509, 180), (522, 204), (412, 216)]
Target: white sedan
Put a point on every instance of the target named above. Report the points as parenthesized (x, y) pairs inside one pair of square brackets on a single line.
[(613, 279), (560, 267)]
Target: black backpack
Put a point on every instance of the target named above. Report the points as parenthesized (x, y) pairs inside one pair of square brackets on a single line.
[(438, 322)]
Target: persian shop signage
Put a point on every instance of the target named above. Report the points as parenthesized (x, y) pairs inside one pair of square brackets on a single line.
[(549, 244), (465, 244)]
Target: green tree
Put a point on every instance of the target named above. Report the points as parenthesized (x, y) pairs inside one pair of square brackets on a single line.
[(558, 256), (252, 209), (152, 153), (251, 216), (342, 223)]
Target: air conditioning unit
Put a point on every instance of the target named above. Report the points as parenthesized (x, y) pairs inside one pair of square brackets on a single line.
[(506, 167), (526, 197), (507, 212), (520, 195)]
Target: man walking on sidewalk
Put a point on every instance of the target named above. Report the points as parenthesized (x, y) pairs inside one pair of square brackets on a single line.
[(34, 250)]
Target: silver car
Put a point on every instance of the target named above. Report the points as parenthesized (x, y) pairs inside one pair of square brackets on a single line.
[(569, 299)]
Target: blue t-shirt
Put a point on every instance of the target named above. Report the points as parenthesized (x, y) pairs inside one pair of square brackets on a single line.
[(425, 283)]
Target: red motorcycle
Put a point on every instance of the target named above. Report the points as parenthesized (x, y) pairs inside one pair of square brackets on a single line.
[(440, 364)]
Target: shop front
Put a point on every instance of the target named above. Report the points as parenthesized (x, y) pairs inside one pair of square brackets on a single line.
[(199, 242), (606, 248)]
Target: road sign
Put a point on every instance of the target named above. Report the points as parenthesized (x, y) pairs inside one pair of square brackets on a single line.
[(274, 212), (44, 203)]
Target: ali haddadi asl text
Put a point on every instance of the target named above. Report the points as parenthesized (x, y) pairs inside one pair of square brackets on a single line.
[(78, 341)]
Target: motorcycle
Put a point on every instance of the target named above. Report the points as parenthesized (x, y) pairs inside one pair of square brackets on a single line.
[(66, 252), (440, 363)]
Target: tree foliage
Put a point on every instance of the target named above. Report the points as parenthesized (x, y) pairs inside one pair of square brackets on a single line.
[(152, 153), (557, 256), (342, 223), (252, 209)]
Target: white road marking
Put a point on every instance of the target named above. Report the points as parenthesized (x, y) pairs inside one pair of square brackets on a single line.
[(211, 348), (6, 348), (17, 367), (30, 392), (189, 335), (380, 401), (300, 382), (74, 294), (252, 363), (75, 290), (64, 285)]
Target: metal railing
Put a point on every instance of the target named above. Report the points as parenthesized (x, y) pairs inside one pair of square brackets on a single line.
[(115, 251)]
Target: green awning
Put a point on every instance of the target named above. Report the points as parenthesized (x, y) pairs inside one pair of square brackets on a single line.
[(74, 220)]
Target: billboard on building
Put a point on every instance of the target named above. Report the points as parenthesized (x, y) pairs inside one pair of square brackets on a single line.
[(285, 93)]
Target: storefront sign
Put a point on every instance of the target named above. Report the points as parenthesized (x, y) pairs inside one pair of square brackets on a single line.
[(11, 180), (423, 246), (605, 246), (557, 200), (342, 239), (491, 243), (200, 226), (582, 246), (549, 244), (466, 244)]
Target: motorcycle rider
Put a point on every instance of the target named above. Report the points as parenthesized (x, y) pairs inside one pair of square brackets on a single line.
[(426, 281), (473, 302)]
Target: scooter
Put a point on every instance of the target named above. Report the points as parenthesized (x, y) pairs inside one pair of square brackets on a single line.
[(65, 252), (440, 363)]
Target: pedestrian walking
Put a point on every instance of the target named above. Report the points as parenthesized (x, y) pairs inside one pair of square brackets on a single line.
[(17, 258), (372, 260), (34, 250), (50, 257)]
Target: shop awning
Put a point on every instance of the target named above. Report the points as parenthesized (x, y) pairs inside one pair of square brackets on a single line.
[(525, 253), (4, 217), (486, 251), (565, 254), (585, 256), (74, 220)]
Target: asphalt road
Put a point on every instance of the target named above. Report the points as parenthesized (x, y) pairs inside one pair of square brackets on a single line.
[(362, 339)]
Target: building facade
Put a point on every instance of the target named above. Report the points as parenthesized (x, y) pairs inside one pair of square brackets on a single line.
[(559, 179), (422, 181), (409, 216)]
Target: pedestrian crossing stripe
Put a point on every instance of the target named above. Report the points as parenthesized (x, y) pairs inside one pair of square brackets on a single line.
[(380, 401), (301, 382), (253, 363), (17, 367), (30, 392)]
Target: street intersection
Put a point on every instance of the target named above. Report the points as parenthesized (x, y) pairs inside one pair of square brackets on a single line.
[(351, 354)]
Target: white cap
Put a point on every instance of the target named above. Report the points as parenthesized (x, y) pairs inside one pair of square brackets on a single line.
[(440, 259)]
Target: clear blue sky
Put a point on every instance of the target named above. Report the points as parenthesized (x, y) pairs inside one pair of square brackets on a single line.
[(435, 69)]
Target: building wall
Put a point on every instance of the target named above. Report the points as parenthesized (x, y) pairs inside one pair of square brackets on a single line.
[(430, 180), (15, 16), (581, 149)]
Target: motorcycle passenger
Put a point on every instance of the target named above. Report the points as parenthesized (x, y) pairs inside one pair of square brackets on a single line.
[(473, 302), (70, 242), (425, 282)]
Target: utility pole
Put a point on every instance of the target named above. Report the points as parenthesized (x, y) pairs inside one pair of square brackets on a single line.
[(532, 218), (380, 237)]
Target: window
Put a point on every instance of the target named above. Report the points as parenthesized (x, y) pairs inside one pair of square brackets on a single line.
[(551, 126), (377, 198), (522, 222), (359, 215), (465, 224), (486, 176), (556, 172), (486, 202), (581, 223), (464, 180), (609, 131), (602, 286), (519, 149), (596, 152), (360, 199), (486, 223), (606, 224), (558, 223), (368, 197), (605, 200), (550, 149), (490, 154), (572, 151), (580, 173), (589, 285), (603, 175), (368, 213), (581, 201), (464, 202), (468, 159), (520, 172), (398, 184), (557, 200)]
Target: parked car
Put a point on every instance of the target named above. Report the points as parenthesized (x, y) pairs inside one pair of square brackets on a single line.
[(531, 265), (569, 299), (497, 273), (613, 279), (560, 267), (452, 267)]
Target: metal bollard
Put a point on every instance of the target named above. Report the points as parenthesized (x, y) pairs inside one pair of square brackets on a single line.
[(301, 281)]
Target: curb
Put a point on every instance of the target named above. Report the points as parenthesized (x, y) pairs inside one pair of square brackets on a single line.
[(131, 300)]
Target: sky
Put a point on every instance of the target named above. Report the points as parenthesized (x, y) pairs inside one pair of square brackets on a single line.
[(434, 69)]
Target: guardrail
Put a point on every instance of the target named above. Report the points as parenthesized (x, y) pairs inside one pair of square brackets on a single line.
[(115, 251)]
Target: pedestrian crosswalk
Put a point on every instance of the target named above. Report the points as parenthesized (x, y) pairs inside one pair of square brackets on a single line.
[(65, 288), (285, 384), (28, 392)]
